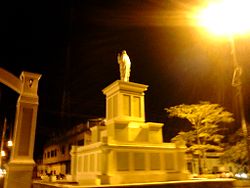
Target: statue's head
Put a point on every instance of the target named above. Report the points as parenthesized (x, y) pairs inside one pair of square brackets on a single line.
[(124, 52)]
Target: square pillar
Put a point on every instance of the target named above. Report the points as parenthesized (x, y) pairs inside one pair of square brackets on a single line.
[(125, 101), (124, 104), (20, 167)]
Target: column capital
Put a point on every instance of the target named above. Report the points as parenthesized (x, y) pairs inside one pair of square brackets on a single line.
[(29, 83)]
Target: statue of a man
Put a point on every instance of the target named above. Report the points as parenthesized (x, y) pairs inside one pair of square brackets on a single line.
[(125, 64)]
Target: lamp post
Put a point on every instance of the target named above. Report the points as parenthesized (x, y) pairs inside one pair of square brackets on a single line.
[(2, 142), (229, 18), (237, 83)]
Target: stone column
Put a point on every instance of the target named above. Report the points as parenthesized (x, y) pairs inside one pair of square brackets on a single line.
[(73, 162), (105, 163), (20, 167)]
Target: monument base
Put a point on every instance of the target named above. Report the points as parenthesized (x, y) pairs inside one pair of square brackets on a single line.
[(127, 149), (127, 178), (142, 177), (103, 163)]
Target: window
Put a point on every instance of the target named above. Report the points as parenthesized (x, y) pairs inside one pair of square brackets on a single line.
[(63, 149), (45, 155), (55, 152), (48, 154), (52, 153), (80, 142), (69, 147)]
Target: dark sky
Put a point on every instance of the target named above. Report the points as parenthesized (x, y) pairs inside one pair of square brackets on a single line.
[(74, 45)]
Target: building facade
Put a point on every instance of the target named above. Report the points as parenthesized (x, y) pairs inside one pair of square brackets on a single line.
[(56, 154), (212, 164)]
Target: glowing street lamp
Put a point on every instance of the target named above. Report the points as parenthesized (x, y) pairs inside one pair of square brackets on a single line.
[(10, 143), (225, 17), (229, 18), (3, 154)]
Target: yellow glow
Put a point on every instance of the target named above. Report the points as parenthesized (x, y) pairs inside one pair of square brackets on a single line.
[(225, 17), (3, 154), (9, 143)]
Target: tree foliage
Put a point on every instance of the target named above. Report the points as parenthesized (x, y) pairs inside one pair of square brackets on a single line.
[(205, 119), (237, 153)]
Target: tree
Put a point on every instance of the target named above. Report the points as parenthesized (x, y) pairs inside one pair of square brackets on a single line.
[(236, 153), (206, 120)]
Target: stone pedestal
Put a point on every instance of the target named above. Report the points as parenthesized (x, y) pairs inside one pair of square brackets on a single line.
[(125, 111), (125, 101), (19, 174)]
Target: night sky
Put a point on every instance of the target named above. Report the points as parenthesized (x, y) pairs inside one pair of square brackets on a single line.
[(74, 45)]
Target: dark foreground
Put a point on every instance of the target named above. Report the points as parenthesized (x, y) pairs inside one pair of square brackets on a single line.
[(201, 183)]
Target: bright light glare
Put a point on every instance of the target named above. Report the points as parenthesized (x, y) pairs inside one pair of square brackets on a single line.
[(3, 154), (2, 172), (9, 143), (244, 175), (226, 17), (241, 175)]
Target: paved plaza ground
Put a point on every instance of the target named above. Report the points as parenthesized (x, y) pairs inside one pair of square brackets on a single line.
[(198, 183)]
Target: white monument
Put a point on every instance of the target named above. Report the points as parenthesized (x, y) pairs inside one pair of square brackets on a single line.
[(125, 64), (127, 149)]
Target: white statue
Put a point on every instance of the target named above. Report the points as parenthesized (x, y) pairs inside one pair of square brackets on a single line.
[(125, 64)]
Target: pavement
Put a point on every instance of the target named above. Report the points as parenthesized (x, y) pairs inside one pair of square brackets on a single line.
[(193, 183)]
